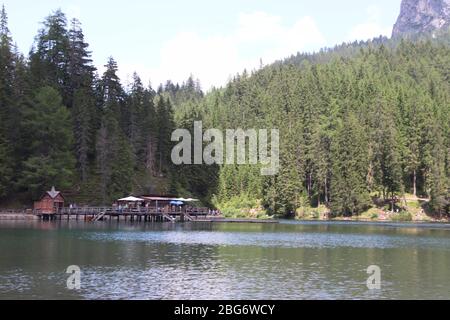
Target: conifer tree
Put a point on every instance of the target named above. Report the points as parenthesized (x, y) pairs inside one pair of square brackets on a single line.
[(6, 104), (83, 104), (6, 171), (6, 69), (166, 126), (122, 168), (50, 162), (349, 194), (50, 57)]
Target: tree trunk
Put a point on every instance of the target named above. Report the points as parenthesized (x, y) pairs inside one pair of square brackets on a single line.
[(415, 183), (309, 185), (318, 199), (393, 202)]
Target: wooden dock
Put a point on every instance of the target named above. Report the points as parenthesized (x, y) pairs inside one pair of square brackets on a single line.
[(133, 215), (145, 215)]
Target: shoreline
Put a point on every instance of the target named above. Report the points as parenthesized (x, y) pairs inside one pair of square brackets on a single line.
[(30, 217), (354, 219), (443, 222), (18, 217)]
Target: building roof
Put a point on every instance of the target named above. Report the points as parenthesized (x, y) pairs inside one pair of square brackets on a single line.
[(53, 193)]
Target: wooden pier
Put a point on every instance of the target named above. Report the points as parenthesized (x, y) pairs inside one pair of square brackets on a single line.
[(132, 215), (150, 215)]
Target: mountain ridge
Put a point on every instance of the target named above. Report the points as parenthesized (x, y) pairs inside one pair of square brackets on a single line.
[(422, 16)]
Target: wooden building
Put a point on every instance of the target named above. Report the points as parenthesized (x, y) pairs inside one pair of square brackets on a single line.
[(50, 202)]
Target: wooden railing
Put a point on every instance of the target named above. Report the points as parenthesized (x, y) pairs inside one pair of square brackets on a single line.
[(188, 217), (129, 211), (168, 217), (96, 211), (84, 210)]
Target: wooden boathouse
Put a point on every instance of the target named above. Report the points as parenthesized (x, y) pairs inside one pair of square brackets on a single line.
[(50, 203)]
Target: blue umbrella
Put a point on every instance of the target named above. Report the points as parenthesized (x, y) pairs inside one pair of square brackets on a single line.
[(177, 203)]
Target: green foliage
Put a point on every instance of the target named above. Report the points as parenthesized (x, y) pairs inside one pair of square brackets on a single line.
[(49, 59), (6, 104), (242, 206), (82, 116), (402, 216), (122, 169), (50, 161), (439, 188), (356, 120), (348, 126), (351, 162), (309, 213), (6, 168), (166, 126)]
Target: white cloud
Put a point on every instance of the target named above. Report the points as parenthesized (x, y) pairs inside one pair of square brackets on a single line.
[(258, 26), (374, 12), (303, 35), (208, 58), (215, 59), (371, 28)]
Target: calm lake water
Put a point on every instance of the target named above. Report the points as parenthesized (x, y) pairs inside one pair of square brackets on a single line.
[(224, 261)]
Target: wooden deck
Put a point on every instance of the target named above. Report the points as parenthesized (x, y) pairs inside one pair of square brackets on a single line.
[(144, 215)]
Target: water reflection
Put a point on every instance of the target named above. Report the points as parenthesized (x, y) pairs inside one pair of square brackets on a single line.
[(223, 261)]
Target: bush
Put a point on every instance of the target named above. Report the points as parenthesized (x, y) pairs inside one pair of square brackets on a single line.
[(241, 207), (307, 213), (315, 215), (402, 216)]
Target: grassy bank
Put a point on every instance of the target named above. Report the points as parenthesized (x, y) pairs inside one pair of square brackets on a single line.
[(241, 207), (411, 209)]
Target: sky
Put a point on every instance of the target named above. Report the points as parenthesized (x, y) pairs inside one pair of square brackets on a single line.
[(212, 40)]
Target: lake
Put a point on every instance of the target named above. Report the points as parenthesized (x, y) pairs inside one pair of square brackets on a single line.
[(290, 260)]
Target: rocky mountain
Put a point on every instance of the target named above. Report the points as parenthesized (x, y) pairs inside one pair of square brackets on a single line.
[(422, 16)]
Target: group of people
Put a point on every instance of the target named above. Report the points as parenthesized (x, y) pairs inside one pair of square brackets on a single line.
[(124, 207), (214, 212), (143, 207)]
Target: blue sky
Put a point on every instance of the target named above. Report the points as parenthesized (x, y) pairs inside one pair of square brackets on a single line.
[(210, 39)]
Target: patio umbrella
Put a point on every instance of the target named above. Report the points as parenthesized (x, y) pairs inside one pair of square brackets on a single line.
[(131, 199)]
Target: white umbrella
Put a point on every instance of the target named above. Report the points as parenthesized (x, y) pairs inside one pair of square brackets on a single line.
[(186, 200), (131, 199)]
